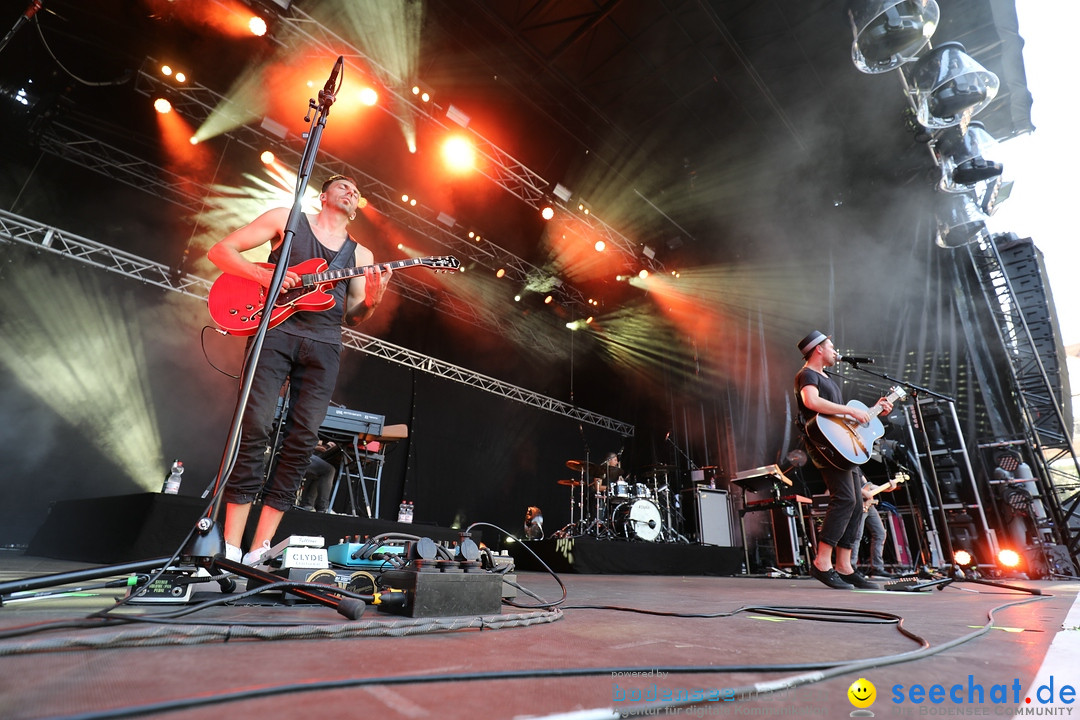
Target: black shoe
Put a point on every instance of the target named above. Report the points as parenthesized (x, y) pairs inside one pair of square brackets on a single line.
[(857, 579), (830, 577), (883, 574)]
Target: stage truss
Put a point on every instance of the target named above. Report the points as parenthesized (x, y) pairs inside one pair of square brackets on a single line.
[(24, 231)]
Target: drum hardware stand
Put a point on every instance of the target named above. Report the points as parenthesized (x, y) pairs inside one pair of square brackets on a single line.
[(949, 569)]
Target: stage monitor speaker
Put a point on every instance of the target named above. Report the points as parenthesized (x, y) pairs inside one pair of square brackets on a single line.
[(714, 517)]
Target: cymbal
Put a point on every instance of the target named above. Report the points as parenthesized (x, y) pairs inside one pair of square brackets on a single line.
[(579, 465), (570, 482)]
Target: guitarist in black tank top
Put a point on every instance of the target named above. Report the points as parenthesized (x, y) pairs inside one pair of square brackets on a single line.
[(817, 393), (305, 349)]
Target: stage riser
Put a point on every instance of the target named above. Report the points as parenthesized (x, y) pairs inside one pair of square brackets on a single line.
[(591, 556), (125, 528)]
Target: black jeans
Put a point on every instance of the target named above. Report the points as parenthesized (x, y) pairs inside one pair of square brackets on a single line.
[(311, 368), (844, 514)]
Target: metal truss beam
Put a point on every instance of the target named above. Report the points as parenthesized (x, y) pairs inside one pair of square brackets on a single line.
[(24, 231), (1044, 423), (77, 147), (442, 369)]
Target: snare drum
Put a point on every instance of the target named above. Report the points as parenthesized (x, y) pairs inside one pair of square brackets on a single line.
[(620, 489), (641, 491), (639, 519)]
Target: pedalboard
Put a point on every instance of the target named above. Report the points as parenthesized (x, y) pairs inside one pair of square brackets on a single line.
[(354, 553), (444, 589), (357, 581)]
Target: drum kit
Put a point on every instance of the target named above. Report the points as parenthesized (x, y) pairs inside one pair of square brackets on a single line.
[(605, 504)]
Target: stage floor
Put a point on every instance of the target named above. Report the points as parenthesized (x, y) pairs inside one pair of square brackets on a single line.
[(616, 642)]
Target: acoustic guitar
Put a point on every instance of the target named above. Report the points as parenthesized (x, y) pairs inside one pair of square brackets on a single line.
[(842, 441)]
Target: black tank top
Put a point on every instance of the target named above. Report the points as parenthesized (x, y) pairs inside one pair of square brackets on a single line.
[(324, 326)]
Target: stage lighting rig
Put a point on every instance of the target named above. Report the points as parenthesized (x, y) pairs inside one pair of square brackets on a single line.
[(961, 153), (889, 33), (948, 86)]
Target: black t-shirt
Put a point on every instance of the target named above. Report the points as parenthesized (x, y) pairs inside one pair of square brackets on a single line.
[(827, 390)]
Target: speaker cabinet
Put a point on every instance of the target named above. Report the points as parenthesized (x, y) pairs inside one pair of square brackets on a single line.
[(713, 513)]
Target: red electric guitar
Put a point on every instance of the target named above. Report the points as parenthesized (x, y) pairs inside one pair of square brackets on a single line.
[(237, 304)]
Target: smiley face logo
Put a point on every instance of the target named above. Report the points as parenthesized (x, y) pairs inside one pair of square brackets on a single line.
[(862, 693)]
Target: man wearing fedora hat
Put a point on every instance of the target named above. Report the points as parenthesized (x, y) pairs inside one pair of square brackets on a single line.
[(817, 393)]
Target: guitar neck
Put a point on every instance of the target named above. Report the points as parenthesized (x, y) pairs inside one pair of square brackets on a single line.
[(343, 273)]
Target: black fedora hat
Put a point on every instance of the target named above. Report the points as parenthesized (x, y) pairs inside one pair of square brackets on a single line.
[(811, 341)]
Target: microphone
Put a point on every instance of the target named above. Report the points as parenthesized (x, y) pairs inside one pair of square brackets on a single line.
[(331, 83), (856, 360), (668, 436)]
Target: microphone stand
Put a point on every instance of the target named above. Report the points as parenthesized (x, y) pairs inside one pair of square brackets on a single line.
[(205, 544), (949, 567), (678, 537)]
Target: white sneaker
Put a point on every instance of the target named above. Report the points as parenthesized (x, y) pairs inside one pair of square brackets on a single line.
[(258, 556), (232, 553)]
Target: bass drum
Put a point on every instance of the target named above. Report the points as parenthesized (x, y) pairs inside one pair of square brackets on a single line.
[(637, 520)]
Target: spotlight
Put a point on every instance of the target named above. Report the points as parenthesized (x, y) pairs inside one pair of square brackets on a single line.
[(369, 97), (423, 94), (548, 300), (274, 128), (267, 157), (257, 26), (963, 558), (162, 105), (599, 246), (1009, 559), (960, 223), (166, 70), (456, 115), (643, 274), (458, 154), (547, 212), (889, 33), (949, 86), (961, 153), (180, 77), (501, 272)]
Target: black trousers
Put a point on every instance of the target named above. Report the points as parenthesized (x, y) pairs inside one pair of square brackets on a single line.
[(311, 368), (844, 514)]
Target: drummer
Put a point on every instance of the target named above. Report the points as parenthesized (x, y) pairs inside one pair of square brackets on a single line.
[(610, 472)]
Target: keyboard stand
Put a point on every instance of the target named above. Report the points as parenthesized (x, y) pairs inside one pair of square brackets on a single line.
[(361, 467)]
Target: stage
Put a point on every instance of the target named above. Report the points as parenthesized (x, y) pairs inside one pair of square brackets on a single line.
[(753, 646), (590, 555)]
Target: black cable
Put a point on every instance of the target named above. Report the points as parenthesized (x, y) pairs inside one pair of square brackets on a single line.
[(551, 572), (809, 673), (105, 618), (821, 614), (206, 356)]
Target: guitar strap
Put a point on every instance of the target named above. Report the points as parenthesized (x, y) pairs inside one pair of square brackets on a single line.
[(344, 256)]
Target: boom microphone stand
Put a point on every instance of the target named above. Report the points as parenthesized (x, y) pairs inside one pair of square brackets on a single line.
[(205, 544)]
